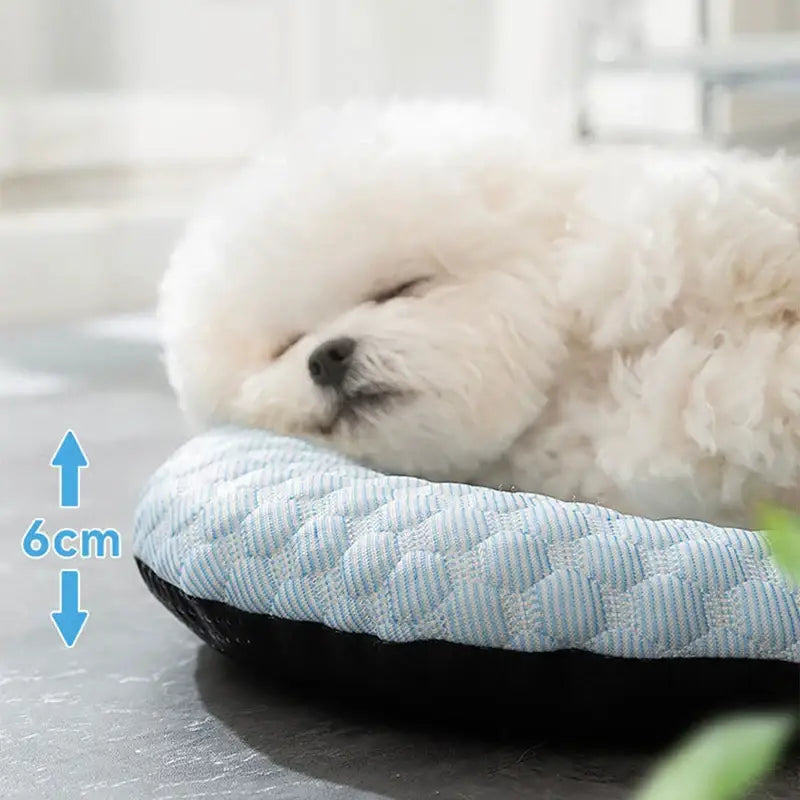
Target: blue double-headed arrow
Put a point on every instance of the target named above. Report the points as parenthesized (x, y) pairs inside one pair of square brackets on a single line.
[(70, 619)]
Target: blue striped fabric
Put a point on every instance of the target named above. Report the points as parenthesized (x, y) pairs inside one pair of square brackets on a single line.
[(278, 526)]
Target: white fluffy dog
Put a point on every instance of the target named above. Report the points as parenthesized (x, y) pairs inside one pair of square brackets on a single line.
[(426, 290)]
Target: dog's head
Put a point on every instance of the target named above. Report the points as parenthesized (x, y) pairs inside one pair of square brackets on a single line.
[(371, 288)]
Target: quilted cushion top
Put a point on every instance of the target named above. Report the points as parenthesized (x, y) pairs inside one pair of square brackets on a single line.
[(278, 526)]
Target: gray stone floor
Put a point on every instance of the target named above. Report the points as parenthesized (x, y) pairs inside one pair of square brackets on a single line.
[(139, 708)]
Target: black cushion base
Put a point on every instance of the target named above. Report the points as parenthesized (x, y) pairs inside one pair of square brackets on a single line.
[(565, 693)]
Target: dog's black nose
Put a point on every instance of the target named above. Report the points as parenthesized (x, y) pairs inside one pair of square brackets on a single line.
[(329, 362)]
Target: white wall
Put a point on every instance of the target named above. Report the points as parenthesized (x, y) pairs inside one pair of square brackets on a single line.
[(284, 52), (117, 114), (287, 54)]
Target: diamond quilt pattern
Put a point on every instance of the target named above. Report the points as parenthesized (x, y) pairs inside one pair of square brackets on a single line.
[(278, 526)]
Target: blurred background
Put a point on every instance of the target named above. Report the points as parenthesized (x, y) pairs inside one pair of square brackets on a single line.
[(116, 115)]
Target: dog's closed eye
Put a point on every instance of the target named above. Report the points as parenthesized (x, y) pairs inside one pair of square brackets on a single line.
[(400, 290), (286, 346)]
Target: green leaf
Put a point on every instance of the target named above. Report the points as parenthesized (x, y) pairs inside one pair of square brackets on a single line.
[(781, 529), (722, 760)]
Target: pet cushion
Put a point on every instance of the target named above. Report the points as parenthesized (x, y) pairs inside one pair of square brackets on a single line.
[(278, 526)]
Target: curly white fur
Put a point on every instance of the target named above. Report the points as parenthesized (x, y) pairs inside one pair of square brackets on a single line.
[(621, 327)]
